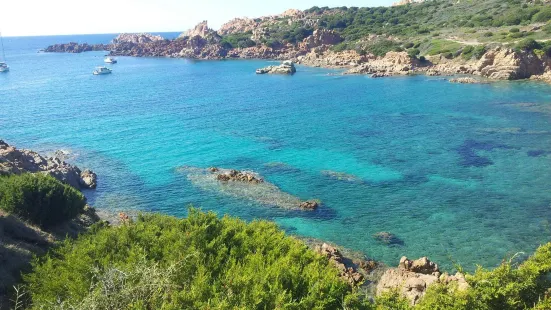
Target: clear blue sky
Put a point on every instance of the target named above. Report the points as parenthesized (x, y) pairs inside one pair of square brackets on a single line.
[(50, 17)]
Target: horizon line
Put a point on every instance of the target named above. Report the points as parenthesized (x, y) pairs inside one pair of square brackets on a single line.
[(84, 34)]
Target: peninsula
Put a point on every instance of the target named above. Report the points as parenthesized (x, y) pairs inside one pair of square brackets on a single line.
[(499, 40)]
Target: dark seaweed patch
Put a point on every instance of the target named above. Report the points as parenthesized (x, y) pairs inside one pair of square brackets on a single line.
[(537, 153), (469, 156)]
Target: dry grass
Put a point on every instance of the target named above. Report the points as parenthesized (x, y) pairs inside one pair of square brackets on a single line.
[(21, 241)]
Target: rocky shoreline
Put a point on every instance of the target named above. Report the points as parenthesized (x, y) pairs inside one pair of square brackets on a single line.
[(411, 278), (317, 50), (15, 161)]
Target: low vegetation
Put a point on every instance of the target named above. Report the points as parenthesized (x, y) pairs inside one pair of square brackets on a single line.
[(40, 199), (204, 262), (200, 262)]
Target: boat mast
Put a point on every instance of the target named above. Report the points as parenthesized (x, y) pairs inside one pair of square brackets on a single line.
[(2, 43)]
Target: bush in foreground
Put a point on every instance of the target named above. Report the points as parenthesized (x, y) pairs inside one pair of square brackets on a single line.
[(200, 262), (40, 199), (203, 262)]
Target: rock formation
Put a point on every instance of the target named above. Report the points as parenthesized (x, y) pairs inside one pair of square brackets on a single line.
[(287, 67), (309, 204), (507, 64), (393, 63), (74, 47), (136, 38), (203, 31), (236, 176), (465, 80), (321, 37), (14, 161), (349, 273), (238, 25), (387, 238), (412, 278)]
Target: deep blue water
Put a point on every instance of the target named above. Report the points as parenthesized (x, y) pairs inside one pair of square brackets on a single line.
[(455, 171)]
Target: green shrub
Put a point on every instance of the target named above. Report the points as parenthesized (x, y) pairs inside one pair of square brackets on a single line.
[(413, 52), (542, 16), (200, 262), (513, 30), (528, 45), (504, 288), (488, 34), (467, 52), (479, 51), (40, 199), (381, 47), (238, 40), (516, 35)]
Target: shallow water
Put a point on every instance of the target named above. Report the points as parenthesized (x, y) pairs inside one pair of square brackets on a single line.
[(458, 172)]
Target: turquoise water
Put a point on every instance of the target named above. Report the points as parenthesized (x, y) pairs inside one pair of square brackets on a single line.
[(457, 172)]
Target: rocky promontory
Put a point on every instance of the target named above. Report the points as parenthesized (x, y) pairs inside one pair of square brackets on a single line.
[(15, 161), (74, 47), (304, 37)]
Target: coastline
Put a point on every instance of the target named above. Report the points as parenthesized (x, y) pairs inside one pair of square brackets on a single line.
[(499, 64)]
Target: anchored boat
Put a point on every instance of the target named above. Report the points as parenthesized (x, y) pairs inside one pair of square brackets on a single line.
[(102, 71), (3, 65)]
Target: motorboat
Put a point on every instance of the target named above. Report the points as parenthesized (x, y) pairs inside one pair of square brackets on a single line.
[(4, 67), (102, 71), (110, 60)]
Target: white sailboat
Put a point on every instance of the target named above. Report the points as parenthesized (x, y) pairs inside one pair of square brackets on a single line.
[(3, 65)]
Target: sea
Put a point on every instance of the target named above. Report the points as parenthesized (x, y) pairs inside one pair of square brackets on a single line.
[(458, 173)]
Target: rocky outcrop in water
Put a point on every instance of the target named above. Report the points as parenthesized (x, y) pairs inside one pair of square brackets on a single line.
[(309, 204), (413, 278), (237, 176), (245, 185), (287, 67), (465, 80), (74, 47), (14, 161)]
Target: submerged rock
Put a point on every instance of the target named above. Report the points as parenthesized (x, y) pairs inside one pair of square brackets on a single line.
[(242, 184), (287, 67), (309, 204), (388, 238), (341, 176), (14, 161)]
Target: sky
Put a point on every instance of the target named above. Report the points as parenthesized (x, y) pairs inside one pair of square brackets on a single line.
[(58, 17)]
